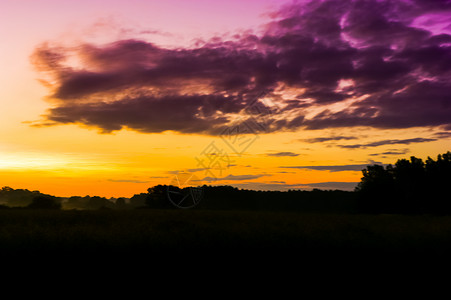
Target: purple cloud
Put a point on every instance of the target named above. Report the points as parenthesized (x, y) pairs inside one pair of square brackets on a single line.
[(388, 62)]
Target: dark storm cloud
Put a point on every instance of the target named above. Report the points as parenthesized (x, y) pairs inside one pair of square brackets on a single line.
[(388, 142), (397, 73)]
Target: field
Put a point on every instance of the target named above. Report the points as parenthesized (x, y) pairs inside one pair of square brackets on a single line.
[(175, 234)]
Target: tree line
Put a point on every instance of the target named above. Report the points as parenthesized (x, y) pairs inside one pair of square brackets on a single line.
[(408, 186), (23, 198)]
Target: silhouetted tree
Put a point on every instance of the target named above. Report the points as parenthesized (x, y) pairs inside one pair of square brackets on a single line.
[(410, 186), (158, 196), (76, 202), (17, 197), (438, 176), (121, 203), (97, 202), (4, 206), (44, 202), (138, 200), (377, 182)]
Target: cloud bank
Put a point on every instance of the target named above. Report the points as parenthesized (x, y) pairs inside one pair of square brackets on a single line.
[(325, 64)]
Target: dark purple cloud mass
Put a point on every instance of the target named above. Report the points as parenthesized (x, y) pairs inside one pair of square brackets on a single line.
[(387, 62)]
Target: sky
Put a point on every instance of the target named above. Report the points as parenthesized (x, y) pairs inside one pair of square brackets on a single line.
[(111, 97)]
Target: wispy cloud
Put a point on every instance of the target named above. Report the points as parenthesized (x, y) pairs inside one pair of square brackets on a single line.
[(328, 139), (332, 185), (443, 135), (196, 170), (274, 186), (388, 142), (281, 186), (234, 177), (331, 168), (391, 152), (129, 180), (282, 154)]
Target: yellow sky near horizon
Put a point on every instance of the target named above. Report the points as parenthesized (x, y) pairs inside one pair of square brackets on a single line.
[(66, 160)]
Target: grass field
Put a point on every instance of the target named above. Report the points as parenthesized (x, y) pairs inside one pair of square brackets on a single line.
[(143, 233)]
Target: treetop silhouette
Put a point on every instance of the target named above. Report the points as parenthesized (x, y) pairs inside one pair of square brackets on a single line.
[(410, 186)]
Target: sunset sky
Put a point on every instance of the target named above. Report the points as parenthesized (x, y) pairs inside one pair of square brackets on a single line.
[(112, 97)]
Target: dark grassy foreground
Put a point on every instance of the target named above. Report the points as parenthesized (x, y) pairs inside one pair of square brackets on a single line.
[(173, 234)]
